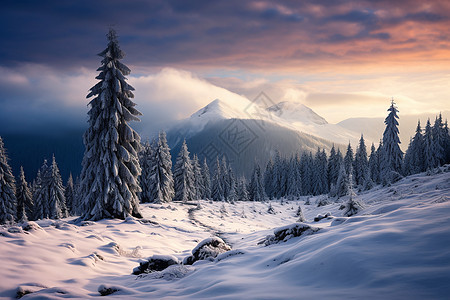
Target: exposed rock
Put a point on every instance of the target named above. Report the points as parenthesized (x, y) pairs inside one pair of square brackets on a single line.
[(207, 249), (321, 217), (155, 263), (282, 234)]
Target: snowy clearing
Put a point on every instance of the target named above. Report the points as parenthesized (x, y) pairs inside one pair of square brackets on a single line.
[(398, 247)]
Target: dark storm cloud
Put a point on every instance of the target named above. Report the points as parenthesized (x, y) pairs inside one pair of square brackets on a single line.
[(67, 34)]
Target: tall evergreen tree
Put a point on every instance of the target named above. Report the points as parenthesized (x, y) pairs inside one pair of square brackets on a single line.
[(69, 193), (320, 181), (428, 149), (374, 168), (256, 190), (392, 155), (206, 180), (225, 178), (294, 180), (361, 163), (109, 177), (216, 189), (24, 199), (8, 202), (160, 175), (446, 142), (183, 176), (306, 165), (416, 152), (343, 183), (55, 189), (269, 180), (146, 181), (49, 200), (439, 140), (40, 203), (348, 159), (333, 167), (242, 192), (198, 179)]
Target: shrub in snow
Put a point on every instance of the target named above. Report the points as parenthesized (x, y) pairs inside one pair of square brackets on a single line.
[(352, 207), (271, 210), (155, 263), (322, 202), (207, 249), (282, 234), (321, 217), (223, 210), (299, 214), (307, 202)]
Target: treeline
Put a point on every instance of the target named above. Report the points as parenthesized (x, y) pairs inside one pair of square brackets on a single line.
[(301, 174)]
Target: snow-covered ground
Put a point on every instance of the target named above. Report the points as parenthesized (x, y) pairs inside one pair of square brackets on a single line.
[(398, 247)]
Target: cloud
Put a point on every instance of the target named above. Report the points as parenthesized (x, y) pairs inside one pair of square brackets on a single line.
[(38, 98), (256, 35)]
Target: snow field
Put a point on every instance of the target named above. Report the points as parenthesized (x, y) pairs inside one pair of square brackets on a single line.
[(398, 247)]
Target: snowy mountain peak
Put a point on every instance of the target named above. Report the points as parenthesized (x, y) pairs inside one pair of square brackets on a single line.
[(296, 112), (216, 109)]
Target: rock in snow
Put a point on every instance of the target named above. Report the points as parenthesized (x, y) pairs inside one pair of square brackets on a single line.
[(207, 249), (282, 234), (155, 263)]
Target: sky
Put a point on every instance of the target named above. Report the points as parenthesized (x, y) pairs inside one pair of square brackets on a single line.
[(341, 58)]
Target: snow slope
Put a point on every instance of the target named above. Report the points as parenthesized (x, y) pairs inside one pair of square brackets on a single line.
[(398, 247)]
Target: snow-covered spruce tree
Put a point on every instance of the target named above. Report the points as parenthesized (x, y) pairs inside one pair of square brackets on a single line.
[(206, 194), (320, 180), (242, 192), (333, 167), (361, 163), (352, 206), (428, 149), (446, 142), (306, 163), (216, 189), (109, 177), (294, 180), (198, 180), (392, 156), (268, 180), (232, 193), (8, 202), (160, 179), (69, 193), (40, 204), (24, 199), (438, 140), (374, 168), (77, 199), (183, 176), (145, 179), (343, 182), (225, 178), (416, 153), (348, 159), (56, 197), (256, 190)]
